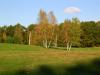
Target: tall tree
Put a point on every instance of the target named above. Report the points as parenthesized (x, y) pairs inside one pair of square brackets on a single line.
[(65, 34), (31, 34), (10, 34), (70, 33), (75, 32), (54, 31), (18, 34), (42, 27), (88, 34), (3, 34), (97, 33)]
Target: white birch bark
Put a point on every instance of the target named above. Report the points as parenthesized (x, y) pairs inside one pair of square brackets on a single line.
[(67, 46), (49, 44), (30, 38), (70, 46), (55, 43)]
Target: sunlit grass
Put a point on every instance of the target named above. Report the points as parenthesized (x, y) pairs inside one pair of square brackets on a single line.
[(15, 56)]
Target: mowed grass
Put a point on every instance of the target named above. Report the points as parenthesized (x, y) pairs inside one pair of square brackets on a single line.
[(15, 56)]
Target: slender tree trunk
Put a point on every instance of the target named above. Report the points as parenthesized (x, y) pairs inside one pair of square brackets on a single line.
[(70, 46), (55, 43), (30, 38), (43, 43), (67, 46), (46, 43), (49, 44)]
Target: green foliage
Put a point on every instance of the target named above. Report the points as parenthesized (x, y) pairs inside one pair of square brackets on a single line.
[(10, 39), (18, 34), (97, 34), (75, 32), (48, 33), (90, 34), (70, 33)]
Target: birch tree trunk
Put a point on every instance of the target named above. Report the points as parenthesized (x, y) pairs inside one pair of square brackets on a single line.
[(49, 44), (43, 43), (70, 46), (55, 43), (46, 43), (30, 34), (67, 46)]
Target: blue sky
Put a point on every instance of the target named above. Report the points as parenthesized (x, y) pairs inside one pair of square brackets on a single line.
[(26, 11)]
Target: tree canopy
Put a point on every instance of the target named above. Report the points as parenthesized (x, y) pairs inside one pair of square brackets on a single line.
[(48, 33)]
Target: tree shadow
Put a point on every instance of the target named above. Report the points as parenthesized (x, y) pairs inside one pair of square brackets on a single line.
[(91, 68), (41, 70), (44, 70)]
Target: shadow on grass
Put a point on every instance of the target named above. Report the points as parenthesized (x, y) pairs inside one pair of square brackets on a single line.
[(91, 68)]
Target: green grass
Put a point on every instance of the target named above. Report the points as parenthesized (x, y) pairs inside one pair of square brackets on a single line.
[(18, 47), (15, 56)]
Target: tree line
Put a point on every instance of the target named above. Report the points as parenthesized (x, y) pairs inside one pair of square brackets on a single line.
[(48, 33)]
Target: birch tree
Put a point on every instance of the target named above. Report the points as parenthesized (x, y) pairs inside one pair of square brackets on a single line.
[(74, 32), (42, 27), (30, 34), (65, 34), (71, 33), (54, 32)]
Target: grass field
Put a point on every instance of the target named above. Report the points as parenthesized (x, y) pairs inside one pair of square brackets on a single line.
[(23, 59)]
